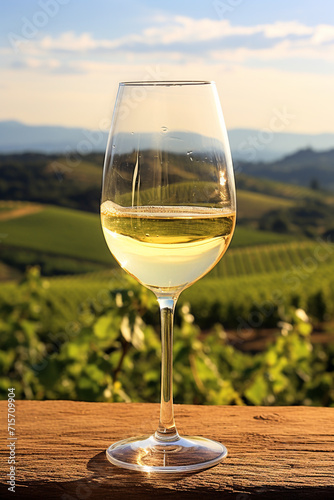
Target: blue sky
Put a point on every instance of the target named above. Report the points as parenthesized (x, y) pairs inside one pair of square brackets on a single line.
[(61, 60)]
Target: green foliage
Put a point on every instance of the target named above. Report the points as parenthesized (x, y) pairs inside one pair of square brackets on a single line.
[(110, 353), (22, 336)]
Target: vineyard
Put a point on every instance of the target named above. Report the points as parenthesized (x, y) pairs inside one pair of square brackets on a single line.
[(88, 331), (273, 258), (111, 350), (248, 288)]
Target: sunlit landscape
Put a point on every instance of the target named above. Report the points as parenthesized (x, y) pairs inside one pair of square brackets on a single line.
[(259, 328)]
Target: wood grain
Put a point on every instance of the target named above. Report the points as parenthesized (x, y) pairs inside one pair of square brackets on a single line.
[(273, 452)]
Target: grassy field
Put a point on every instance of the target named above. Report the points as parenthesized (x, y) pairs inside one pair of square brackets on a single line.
[(244, 237), (253, 205), (280, 189), (84, 172), (59, 231)]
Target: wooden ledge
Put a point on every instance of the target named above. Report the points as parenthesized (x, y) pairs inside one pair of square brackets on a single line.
[(274, 452)]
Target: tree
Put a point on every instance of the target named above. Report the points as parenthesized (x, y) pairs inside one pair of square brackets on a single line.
[(314, 184)]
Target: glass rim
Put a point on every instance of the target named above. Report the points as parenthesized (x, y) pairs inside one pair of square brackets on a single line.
[(165, 83)]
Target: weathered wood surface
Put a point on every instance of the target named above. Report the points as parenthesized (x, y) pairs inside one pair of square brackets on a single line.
[(278, 452)]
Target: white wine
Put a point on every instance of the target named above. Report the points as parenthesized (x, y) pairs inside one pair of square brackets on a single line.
[(167, 248)]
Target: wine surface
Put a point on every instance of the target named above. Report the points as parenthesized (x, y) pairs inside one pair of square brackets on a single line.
[(167, 248)]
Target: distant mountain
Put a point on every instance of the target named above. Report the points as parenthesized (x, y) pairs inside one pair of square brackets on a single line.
[(303, 168), (16, 137), (248, 145)]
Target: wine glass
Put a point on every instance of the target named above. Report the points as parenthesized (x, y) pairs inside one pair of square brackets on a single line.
[(168, 215)]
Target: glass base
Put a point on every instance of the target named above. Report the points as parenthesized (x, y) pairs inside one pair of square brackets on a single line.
[(149, 454)]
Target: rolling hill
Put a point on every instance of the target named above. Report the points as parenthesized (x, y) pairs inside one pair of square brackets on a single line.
[(63, 240), (58, 231), (301, 169)]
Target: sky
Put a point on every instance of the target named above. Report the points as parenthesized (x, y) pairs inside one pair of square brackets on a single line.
[(61, 60)]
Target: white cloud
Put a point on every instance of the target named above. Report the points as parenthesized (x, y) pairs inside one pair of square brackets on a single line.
[(169, 41), (283, 51), (281, 30), (49, 64), (187, 30), (310, 43), (69, 42), (323, 33), (181, 39), (182, 30)]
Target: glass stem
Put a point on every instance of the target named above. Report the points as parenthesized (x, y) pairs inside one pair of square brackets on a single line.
[(167, 430)]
